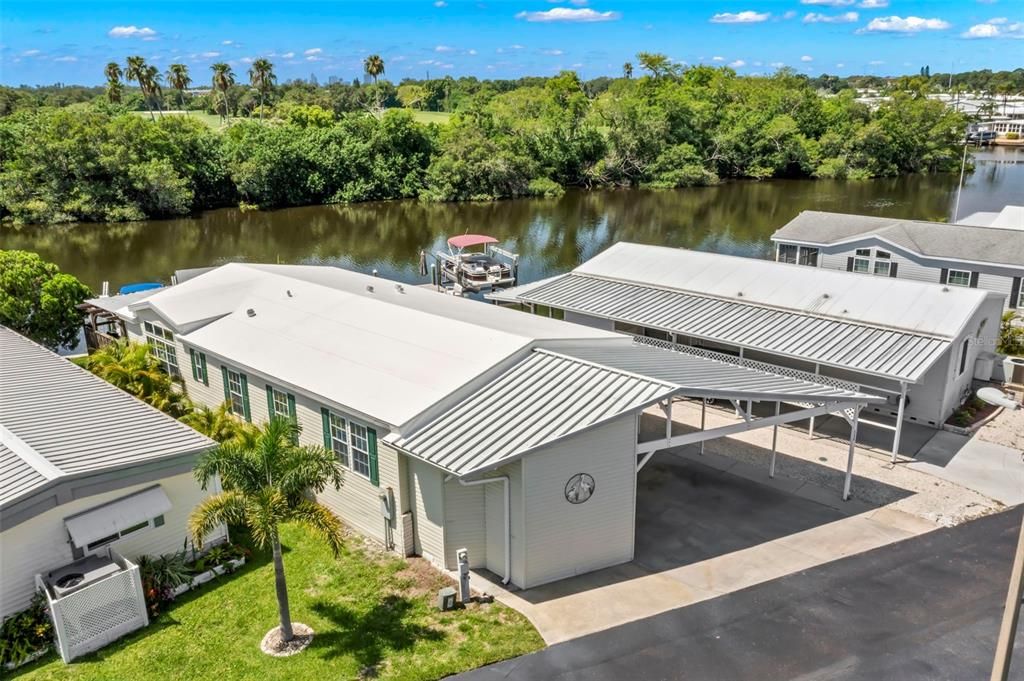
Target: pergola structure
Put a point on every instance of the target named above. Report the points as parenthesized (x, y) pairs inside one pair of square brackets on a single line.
[(101, 327)]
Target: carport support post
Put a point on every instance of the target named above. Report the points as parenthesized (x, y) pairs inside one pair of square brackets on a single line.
[(899, 421), (810, 428), (849, 456), (775, 440), (703, 413)]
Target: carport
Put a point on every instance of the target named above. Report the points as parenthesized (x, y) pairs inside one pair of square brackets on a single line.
[(743, 385)]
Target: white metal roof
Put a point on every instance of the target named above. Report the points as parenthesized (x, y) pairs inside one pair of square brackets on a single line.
[(387, 354), (541, 399), (1010, 217), (59, 420)]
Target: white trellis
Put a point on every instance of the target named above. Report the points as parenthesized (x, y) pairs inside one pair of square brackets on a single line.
[(95, 615)]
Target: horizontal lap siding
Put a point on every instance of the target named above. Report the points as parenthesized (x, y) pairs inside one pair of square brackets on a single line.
[(564, 539), (41, 544), (465, 523), (427, 488)]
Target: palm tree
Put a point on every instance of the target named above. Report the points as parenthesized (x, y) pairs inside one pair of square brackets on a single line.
[(627, 69), (113, 73), (178, 78), (217, 424), (265, 483), (261, 77), (154, 89), (374, 67), (136, 70), (223, 79), (133, 368)]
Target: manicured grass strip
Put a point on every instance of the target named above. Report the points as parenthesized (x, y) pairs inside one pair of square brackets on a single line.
[(370, 611)]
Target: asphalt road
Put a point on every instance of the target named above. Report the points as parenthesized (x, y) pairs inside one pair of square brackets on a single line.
[(924, 609)]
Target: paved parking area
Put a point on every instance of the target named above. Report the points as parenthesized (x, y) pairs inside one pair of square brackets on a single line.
[(707, 526)]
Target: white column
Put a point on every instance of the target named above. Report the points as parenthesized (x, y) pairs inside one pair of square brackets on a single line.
[(899, 421), (668, 419), (810, 428), (703, 412), (775, 440), (849, 456)]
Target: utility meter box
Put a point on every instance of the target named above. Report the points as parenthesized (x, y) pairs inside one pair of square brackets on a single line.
[(446, 599)]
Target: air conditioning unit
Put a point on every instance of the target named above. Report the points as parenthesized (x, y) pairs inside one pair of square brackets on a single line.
[(1013, 370), (80, 574)]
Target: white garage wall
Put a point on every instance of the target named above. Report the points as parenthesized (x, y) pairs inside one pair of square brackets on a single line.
[(465, 523), (563, 539), (426, 485), (41, 544)]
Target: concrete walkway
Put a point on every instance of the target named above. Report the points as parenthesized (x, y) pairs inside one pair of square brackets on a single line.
[(660, 580), (995, 470)]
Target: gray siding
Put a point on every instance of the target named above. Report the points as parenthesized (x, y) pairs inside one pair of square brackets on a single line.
[(564, 539)]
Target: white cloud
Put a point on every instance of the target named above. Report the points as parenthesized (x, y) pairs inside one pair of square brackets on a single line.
[(844, 18), (790, 14), (313, 50), (131, 32), (552, 53), (65, 59), (227, 42), (737, 64), (287, 55), (31, 53), (313, 57), (840, 66), (427, 62), (999, 27), (440, 3), (745, 17), (873, 4), (471, 53), (806, 58), (444, 48), (247, 60), (777, 64), (828, 3), (895, 24), (718, 59), (568, 14), (876, 62), (209, 55)]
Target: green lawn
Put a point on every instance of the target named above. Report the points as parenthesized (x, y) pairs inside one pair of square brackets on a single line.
[(372, 613), (212, 120), (439, 117)]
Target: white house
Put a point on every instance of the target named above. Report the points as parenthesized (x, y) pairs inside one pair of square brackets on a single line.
[(84, 469), (913, 342), (985, 250), (459, 424)]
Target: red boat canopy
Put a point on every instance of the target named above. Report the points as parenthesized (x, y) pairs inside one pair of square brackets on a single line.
[(464, 240)]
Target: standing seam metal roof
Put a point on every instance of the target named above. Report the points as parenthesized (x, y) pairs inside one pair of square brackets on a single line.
[(876, 350), (68, 421)]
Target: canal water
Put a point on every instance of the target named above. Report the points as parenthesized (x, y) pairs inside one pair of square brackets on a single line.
[(552, 235)]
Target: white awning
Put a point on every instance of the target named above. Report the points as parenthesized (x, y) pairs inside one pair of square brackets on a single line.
[(115, 516)]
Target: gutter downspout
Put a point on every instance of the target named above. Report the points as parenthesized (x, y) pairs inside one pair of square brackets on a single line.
[(504, 479)]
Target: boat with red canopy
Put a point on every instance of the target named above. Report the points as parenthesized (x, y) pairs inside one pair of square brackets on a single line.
[(477, 270)]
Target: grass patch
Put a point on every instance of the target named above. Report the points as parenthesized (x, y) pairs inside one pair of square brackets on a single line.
[(212, 120), (439, 117), (372, 613)]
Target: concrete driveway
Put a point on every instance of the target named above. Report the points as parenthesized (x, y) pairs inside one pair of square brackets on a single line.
[(708, 525), (926, 609), (995, 470)]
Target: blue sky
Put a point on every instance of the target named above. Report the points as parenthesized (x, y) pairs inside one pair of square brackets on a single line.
[(44, 41)]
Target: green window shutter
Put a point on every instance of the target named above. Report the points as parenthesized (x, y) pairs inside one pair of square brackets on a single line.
[(245, 398), (195, 365), (270, 403), (325, 414), (227, 389), (206, 372), (291, 409), (371, 441)]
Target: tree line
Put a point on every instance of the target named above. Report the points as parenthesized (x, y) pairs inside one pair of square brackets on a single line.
[(670, 127)]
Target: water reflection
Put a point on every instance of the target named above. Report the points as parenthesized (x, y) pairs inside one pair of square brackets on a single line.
[(553, 235)]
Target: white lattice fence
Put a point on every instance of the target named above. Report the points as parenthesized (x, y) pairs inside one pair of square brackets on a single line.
[(90, 618)]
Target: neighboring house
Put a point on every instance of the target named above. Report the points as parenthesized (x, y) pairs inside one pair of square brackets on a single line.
[(915, 343), (84, 467), (458, 424), (959, 255)]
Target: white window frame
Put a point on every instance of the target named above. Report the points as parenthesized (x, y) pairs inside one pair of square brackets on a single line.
[(949, 278), (804, 253), (359, 451), (859, 261), (339, 436), (150, 523), (235, 378), (882, 268), (786, 259), (1020, 299), (279, 398), (162, 347), (350, 441)]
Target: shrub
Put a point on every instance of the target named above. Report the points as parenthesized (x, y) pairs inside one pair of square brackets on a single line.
[(545, 187), (1013, 135), (26, 632), (160, 576), (1011, 336)]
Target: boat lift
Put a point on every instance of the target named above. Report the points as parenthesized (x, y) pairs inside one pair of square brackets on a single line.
[(461, 271)]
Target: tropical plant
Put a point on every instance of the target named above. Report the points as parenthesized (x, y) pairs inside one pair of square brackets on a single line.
[(133, 368), (223, 79), (38, 300), (160, 576), (217, 423), (179, 79), (153, 86), (265, 484), (25, 633), (374, 68), (114, 88), (262, 78), (627, 70), (138, 71), (1011, 335)]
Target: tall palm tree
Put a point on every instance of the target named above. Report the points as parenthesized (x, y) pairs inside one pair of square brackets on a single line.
[(154, 87), (374, 67), (261, 77), (113, 71), (265, 481), (135, 70), (178, 78), (627, 69), (114, 90), (223, 79)]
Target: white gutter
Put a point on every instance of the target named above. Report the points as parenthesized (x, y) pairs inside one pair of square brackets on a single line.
[(504, 479)]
